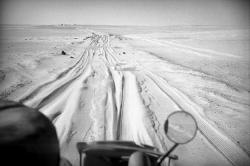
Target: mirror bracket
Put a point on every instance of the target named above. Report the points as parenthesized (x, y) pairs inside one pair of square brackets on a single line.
[(161, 159), (173, 157)]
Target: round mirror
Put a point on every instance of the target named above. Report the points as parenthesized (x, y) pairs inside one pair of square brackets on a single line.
[(180, 127)]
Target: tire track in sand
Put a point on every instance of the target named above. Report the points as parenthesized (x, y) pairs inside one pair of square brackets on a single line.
[(230, 150)]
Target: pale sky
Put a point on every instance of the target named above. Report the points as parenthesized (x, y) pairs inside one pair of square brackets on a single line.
[(126, 12)]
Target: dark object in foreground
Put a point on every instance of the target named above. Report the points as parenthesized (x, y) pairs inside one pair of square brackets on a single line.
[(113, 152), (180, 128), (27, 137)]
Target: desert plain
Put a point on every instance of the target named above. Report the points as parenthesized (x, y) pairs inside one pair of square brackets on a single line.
[(121, 82)]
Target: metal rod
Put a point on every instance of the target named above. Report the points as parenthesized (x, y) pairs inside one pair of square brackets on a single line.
[(160, 160), (80, 154)]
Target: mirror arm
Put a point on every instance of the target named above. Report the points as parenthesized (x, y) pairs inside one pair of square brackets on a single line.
[(80, 155), (160, 160)]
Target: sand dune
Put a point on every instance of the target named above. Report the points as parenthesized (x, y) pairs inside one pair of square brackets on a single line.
[(115, 89)]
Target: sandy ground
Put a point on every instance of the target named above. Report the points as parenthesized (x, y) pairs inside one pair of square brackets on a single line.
[(120, 83)]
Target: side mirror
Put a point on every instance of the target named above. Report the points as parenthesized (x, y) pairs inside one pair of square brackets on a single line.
[(180, 128)]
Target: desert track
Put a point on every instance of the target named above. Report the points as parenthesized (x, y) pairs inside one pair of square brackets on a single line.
[(117, 110)]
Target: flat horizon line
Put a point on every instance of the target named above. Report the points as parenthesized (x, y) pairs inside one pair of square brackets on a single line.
[(174, 25)]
